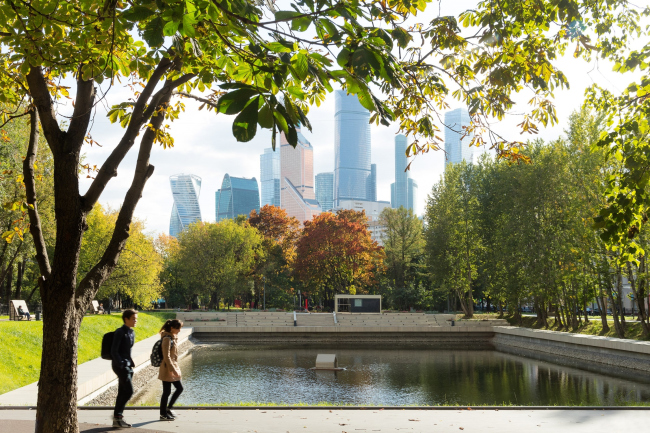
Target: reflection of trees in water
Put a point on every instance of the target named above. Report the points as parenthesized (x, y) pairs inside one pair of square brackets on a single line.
[(398, 377)]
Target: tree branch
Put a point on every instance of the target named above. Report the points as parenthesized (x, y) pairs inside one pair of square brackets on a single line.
[(138, 118), (32, 206), (43, 102), (143, 171), (198, 98), (83, 107)]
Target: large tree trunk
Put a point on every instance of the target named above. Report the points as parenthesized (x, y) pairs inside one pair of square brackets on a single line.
[(602, 306), (9, 282)]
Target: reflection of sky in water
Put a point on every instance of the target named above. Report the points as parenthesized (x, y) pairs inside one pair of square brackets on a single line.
[(389, 377)]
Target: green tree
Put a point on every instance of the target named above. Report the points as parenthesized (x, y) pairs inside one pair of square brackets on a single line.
[(404, 249), (453, 235)]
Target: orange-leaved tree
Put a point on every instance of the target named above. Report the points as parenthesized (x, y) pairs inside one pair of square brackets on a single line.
[(336, 254), (280, 233)]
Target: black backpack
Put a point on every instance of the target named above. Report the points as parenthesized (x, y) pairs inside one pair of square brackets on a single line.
[(107, 343), (156, 352)]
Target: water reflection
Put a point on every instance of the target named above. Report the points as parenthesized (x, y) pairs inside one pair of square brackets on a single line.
[(231, 374)]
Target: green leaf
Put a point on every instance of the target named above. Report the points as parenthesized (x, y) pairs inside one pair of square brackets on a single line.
[(300, 65), (138, 13), (265, 117), (188, 25), (244, 127), (299, 24), (401, 36), (153, 32), (171, 28), (234, 102)]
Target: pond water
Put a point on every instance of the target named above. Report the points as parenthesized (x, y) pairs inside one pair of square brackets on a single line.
[(394, 376)]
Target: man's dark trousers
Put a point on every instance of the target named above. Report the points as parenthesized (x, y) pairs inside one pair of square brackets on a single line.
[(124, 389)]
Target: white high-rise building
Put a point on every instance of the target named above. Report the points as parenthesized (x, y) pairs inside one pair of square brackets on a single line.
[(186, 210), (457, 147)]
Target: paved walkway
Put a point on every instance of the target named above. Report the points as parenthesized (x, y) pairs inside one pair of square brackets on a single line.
[(92, 376), (361, 421)]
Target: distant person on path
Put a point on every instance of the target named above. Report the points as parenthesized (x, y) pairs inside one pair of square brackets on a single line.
[(100, 310), (123, 341), (169, 372), (22, 312)]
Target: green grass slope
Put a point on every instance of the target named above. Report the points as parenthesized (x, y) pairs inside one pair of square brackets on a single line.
[(20, 344)]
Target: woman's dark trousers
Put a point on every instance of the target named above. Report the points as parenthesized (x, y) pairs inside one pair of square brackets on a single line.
[(167, 389)]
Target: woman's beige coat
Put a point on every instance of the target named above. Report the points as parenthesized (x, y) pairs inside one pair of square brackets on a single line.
[(169, 370)]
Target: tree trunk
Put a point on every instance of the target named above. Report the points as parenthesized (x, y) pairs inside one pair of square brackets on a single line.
[(19, 278), (602, 306), (620, 332), (636, 284), (9, 282)]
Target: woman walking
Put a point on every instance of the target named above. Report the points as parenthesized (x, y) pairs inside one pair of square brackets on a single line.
[(169, 371)]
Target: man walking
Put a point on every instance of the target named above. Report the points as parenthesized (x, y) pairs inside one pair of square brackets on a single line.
[(122, 364)]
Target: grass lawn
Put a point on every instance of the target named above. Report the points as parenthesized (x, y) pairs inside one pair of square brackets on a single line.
[(633, 331), (20, 344)]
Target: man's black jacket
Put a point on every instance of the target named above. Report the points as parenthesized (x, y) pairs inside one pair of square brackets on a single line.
[(123, 340)]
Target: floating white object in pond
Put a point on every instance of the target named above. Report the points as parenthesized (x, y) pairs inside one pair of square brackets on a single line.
[(326, 362)]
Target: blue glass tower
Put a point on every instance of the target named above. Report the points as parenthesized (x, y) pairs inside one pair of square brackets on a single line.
[(352, 169), (270, 177), (325, 190), (404, 191), (186, 210), (237, 196), (456, 142)]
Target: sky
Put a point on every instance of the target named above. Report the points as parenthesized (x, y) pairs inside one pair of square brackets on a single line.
[(205, 146)]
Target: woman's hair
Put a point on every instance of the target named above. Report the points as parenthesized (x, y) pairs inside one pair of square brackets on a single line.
[(171, 323)]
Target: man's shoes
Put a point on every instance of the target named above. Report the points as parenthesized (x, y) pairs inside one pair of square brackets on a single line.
[(167, 418), (171, 413), (120, 423)]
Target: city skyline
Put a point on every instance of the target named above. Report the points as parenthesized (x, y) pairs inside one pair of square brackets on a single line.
[(325, 190), (457, 147), (186, 209)]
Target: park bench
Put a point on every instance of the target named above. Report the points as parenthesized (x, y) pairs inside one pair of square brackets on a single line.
[(13, 310)]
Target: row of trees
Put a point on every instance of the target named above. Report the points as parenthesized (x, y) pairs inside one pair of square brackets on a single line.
[(269, 258), (523, 234)]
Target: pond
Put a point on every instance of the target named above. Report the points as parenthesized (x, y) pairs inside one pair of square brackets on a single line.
[(221, 374)]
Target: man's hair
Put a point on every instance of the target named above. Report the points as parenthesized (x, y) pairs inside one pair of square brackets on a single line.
[(127, 314)]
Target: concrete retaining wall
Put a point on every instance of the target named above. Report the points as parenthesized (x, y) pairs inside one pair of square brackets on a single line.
[(574, 349)]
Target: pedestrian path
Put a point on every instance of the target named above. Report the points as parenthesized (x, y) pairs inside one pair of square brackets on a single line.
[(270, 420), (92, 376)]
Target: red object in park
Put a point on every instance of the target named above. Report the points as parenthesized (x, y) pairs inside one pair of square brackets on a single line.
[(306, 304), (237, 303)]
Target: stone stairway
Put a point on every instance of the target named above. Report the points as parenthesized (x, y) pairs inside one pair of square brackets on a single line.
[(393, 319), (315, 319)]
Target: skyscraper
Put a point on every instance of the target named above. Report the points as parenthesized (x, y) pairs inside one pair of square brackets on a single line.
[(237, 196), (456, 143), (297, 195), (270, 177), (372, 183), (404, 191), (325, 190), (352, 169), (186, 210)]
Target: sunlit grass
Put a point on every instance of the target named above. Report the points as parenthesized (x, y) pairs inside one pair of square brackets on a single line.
[(21, 341)]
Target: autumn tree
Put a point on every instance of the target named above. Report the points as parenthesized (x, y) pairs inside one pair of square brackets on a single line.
[(335, 254), (273, 272)]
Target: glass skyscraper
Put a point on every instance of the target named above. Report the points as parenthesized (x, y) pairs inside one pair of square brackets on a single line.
[(456, 146), (297, 195), (352, 169), (325, 190), (404, 191), (186, 210), (270, 177), (237, 196)]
